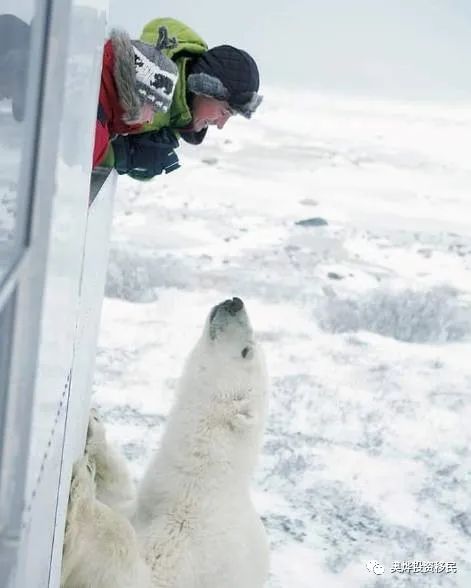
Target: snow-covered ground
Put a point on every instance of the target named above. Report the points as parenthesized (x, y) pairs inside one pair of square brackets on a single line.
[(365, 321)]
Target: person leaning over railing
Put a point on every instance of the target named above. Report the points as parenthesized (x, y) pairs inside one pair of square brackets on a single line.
[(197, 88)]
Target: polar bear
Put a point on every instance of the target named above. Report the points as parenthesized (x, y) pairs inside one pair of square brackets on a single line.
[(101, 549), (194, 524)]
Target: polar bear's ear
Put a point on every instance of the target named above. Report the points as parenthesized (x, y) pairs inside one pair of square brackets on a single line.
[(247, 352)]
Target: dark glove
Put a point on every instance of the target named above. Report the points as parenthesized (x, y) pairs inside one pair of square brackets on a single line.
[(145, 155)]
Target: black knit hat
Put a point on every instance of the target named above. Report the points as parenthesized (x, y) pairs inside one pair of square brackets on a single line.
[(227, 73)]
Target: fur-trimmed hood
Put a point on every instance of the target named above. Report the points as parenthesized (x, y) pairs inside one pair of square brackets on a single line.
[(125, 74)]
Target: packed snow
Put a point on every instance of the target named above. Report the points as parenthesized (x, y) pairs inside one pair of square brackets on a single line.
[(344, 226)]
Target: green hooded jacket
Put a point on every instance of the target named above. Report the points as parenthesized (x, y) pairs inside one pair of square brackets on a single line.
[(189, 45)]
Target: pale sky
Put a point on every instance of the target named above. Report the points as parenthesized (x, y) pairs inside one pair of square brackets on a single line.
[(407, 49)]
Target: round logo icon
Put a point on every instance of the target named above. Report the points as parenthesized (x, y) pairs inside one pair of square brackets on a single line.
[(375, 567)]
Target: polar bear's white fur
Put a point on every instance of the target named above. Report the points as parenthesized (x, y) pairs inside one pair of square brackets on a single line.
[(101, 549), (194, 525)]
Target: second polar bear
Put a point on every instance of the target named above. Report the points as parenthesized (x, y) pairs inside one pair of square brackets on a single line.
[(195, 523)]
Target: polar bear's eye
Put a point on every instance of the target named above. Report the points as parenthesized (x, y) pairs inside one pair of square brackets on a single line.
[(245, 352)]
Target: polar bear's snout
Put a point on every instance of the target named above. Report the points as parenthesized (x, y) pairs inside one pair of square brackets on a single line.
[(229, 321), (230, 306)]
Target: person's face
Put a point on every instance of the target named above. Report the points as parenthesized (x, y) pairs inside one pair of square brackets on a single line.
[(209, 111), (146, 115)]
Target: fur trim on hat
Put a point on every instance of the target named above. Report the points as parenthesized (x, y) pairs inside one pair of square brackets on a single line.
[(206, 85), (248, 108), (125, 75)]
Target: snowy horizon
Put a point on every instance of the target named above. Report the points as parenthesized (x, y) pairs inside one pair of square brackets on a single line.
[(344, 226)]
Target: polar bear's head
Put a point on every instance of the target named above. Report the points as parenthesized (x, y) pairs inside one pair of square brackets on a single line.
[(229, 332), (227, 359), (229, 339)]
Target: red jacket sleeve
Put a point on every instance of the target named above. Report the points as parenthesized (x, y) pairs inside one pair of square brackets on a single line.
[(102, 139)]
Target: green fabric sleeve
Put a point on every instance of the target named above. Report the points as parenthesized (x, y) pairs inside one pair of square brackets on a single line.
[(108, 159)]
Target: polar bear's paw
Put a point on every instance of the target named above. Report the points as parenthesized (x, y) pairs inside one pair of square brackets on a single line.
[(114, 486), (82, 486), (83, 478), (96, 445), (239, 414), (96, 434)]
